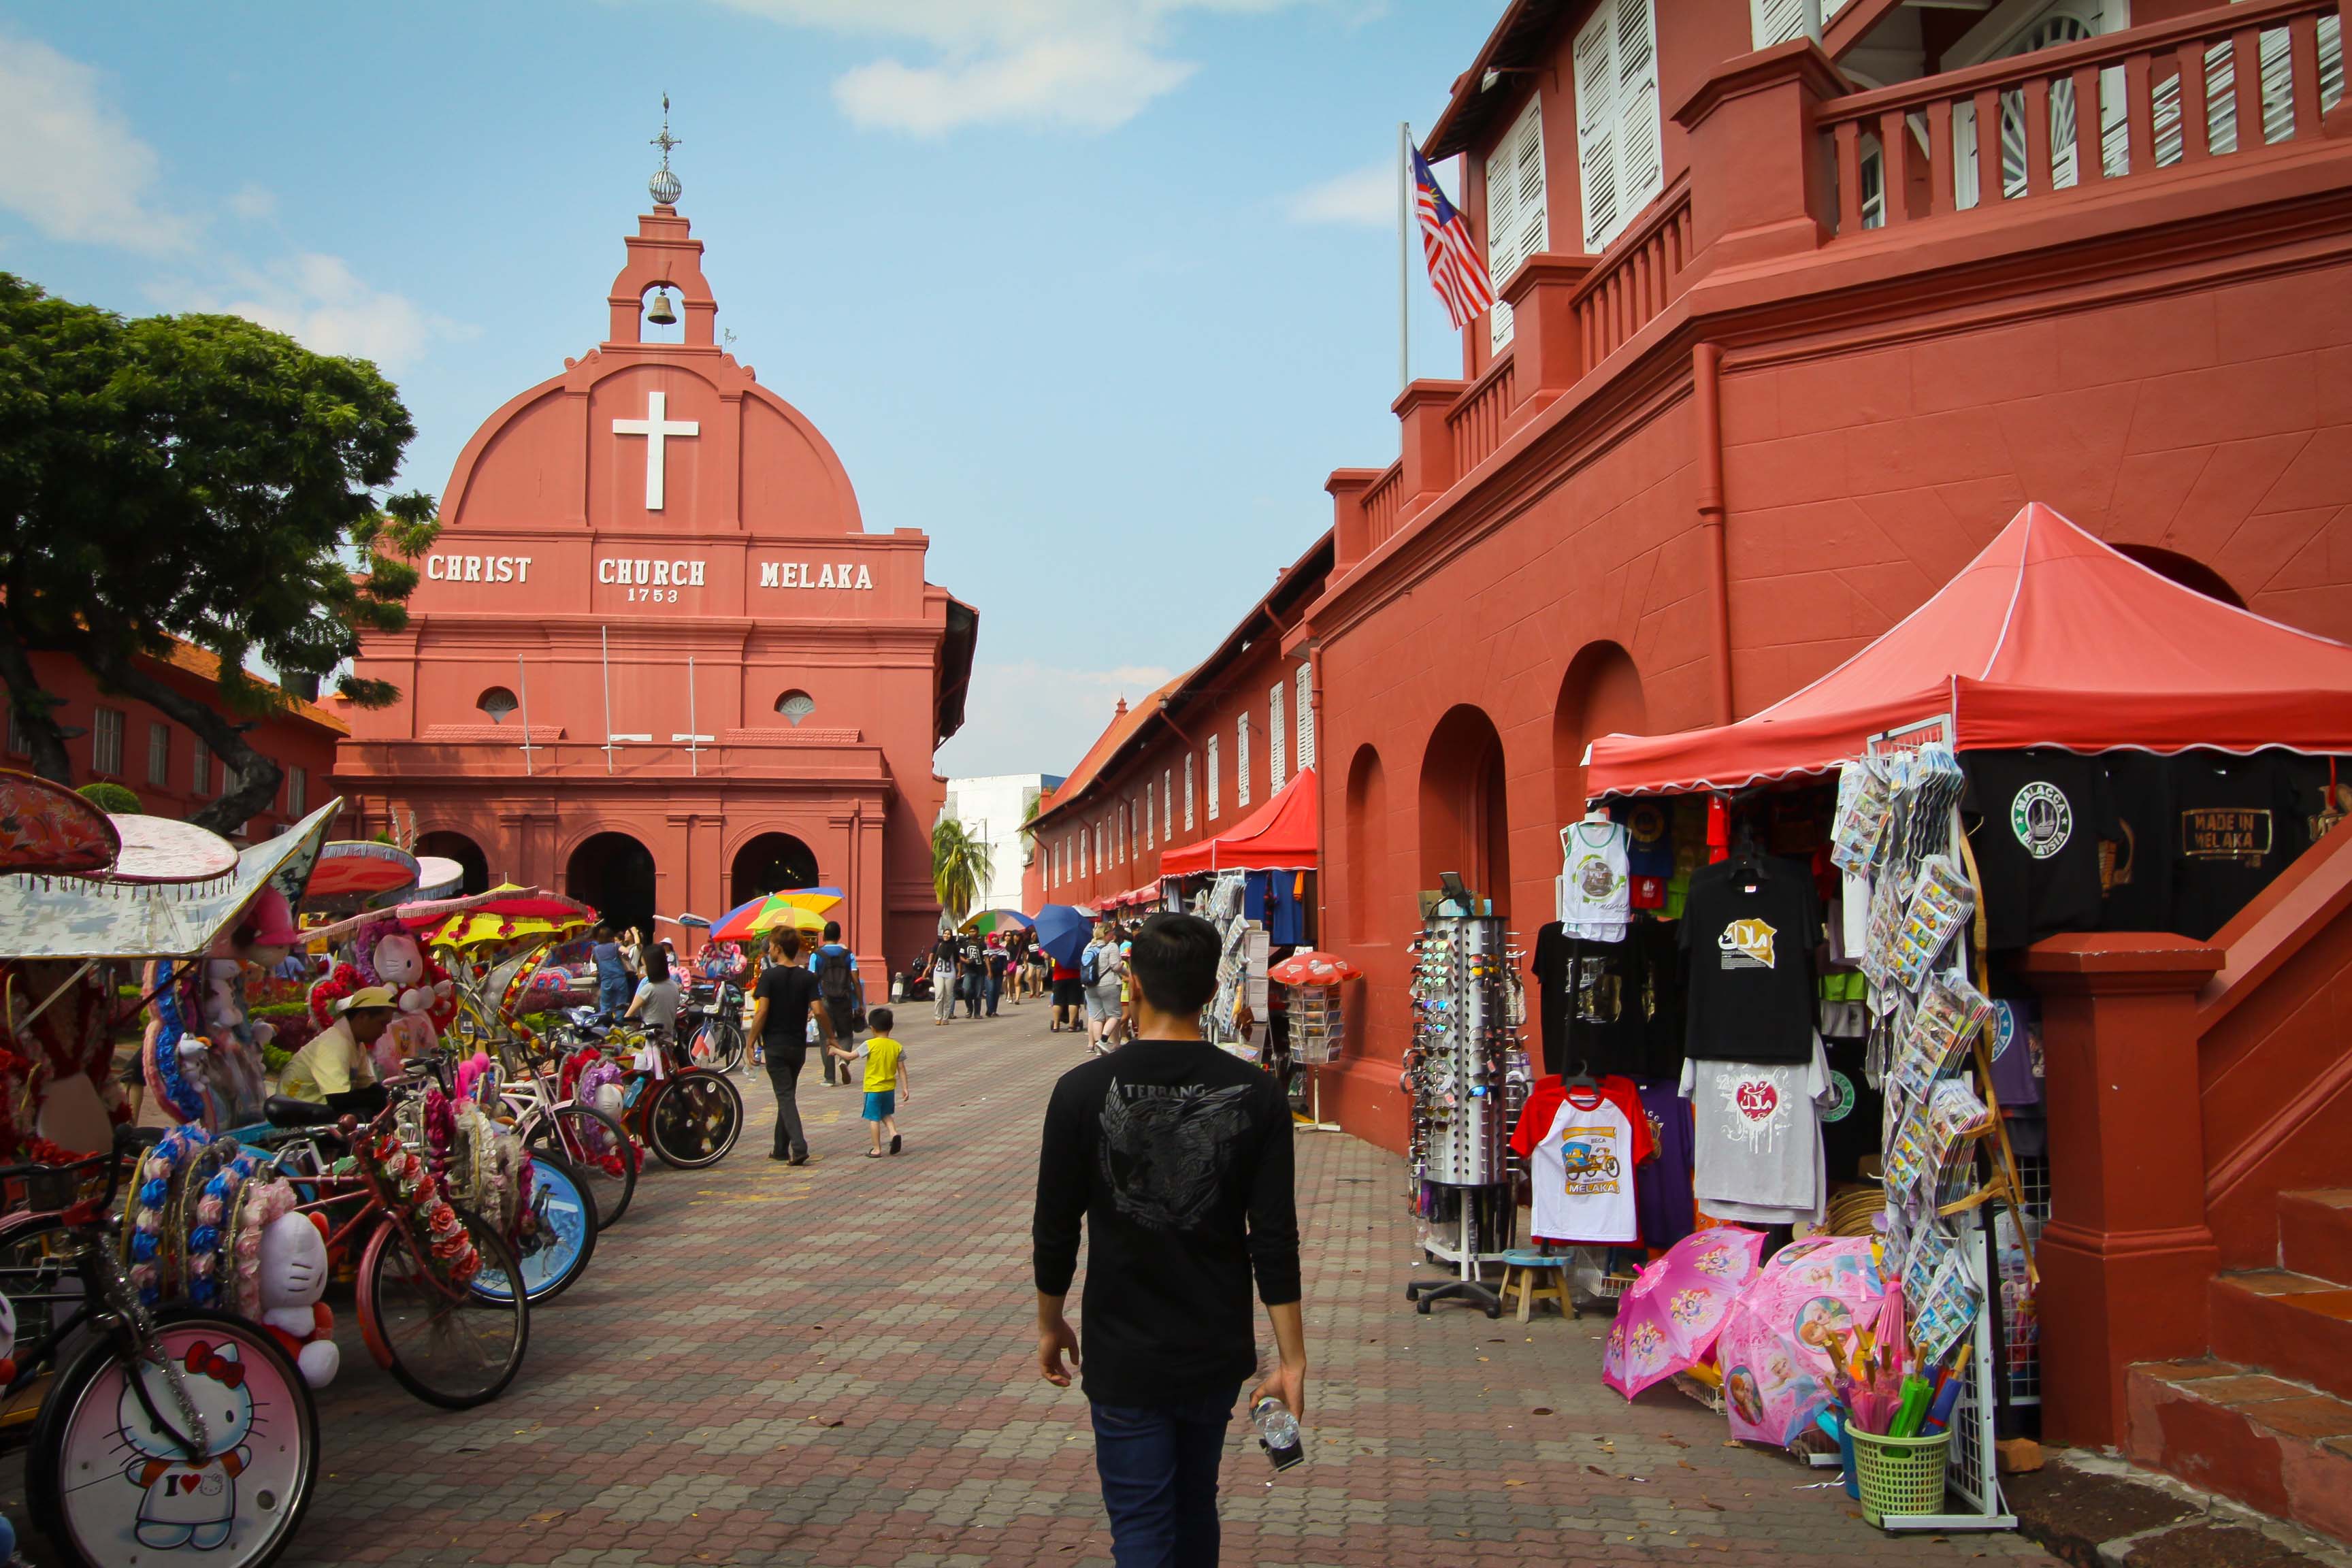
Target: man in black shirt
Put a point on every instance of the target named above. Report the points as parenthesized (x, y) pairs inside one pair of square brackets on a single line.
[(780, 1022), (1178, 1159)]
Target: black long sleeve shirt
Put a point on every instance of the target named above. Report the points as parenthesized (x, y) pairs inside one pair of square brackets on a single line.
[(1178, 1159)]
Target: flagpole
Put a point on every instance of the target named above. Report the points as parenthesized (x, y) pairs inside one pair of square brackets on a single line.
[(1404, 254), (522, 688), (605, 656)]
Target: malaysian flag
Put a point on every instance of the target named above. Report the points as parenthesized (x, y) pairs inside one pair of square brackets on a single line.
[(1454, 270)]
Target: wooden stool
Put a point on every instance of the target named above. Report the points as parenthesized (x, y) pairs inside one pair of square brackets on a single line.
[(1537, 1275)]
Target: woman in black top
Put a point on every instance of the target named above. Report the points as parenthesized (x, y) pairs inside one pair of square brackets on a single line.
[(786, 994)]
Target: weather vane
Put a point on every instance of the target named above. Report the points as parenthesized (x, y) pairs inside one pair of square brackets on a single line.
[(665, 185)]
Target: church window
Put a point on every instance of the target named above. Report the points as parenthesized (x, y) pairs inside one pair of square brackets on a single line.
[(497, 702), (795, 706)]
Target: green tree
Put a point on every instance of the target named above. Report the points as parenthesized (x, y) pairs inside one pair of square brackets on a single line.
[(961, 866), (117, 800), (201, 477)]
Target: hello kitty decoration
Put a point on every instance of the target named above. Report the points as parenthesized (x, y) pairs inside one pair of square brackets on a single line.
[(384, 953), (289, 1277), (185, 1502)]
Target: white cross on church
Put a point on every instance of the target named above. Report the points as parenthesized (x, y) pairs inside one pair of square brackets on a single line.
[(656, 428)]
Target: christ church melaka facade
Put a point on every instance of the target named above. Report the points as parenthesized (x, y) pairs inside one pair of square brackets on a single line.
[(656, 660)]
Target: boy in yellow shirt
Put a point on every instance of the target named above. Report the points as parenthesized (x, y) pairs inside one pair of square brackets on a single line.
[(885, 1075)]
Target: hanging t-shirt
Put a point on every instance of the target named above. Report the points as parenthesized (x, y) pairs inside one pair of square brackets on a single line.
[(2036, 820), (1851, 1112), (2239, 825), (1757, 1130), (1588, 1003), (1649, 851), (2139, 861), (1594, 897), (1748, 934), (1582, 1143), (1661, 1187)]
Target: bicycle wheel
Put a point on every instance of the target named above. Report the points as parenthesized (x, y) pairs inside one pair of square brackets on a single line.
[(694, 1119), (599, 1150), (109, 1489), (561, 1242), (449, 1347)]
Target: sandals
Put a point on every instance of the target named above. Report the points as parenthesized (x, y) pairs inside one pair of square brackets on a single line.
[(874, 1153)]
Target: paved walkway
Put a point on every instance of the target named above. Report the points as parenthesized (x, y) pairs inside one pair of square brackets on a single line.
[(834, 1366)]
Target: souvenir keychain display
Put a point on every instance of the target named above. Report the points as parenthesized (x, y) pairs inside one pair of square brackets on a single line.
[(1467, 1074)]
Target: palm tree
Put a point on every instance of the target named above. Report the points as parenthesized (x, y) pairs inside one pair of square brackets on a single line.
[(962, 865)]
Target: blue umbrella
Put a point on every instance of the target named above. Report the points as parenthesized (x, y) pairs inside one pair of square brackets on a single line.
[(1063, 931)]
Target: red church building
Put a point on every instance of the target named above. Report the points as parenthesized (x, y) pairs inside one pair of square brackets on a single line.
[(656, 659)]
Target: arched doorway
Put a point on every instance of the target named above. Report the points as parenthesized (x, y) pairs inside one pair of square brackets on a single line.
[(767, 862), (1465, 822), (1368, 837), (614, 874), (466, 852), (1600, 695), (2184, 570)]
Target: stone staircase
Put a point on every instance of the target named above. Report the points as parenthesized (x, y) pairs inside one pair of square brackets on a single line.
[(2267, 1418)]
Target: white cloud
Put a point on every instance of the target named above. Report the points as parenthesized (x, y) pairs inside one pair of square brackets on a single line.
[(1028, 716), (252, 200), (1366, 197), (73, 168), (1090, 64), (320, 302)]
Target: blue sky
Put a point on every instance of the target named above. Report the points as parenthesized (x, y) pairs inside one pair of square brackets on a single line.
[(1096, 292)]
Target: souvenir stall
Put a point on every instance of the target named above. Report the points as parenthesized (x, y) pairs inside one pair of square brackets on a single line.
[(1806, 918), (1256, 883), (1311, 981)]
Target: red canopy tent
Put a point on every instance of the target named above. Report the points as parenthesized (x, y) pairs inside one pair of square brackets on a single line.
[(1278, 836), (2047, 638)]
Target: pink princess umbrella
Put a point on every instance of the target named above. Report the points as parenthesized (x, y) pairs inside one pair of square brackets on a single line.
[(1778, 1346), (1669, 1315)]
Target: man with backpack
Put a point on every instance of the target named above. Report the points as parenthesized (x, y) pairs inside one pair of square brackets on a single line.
[(837, 987), (1101, 968)]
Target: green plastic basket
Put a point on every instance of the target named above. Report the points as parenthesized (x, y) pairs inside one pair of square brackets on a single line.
[(1900, 1476)]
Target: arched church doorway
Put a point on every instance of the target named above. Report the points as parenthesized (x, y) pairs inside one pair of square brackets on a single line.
[(614, 874), (768, 862), (466, 852)]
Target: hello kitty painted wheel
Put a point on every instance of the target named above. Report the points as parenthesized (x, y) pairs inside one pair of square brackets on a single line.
[(111, 1485)]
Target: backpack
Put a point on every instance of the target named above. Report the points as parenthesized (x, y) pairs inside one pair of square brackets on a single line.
[(834, 980), (1090, 967)]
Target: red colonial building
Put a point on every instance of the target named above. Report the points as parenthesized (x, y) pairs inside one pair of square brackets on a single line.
[(1188, 761), (1790, 329), (656, 659), (166, 765)]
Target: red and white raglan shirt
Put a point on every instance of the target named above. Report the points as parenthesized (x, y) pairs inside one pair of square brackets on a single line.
[(1581, 1144)]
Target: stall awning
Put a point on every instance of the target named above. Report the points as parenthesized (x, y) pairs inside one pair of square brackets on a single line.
[(1278, 836), (2047, 638)]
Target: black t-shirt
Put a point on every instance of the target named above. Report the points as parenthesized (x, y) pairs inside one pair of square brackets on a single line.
[(1748, 940), (2238, 825), (1177, 1159), (1590, 999), (2036, 820), (788, 990), (2139, 869)]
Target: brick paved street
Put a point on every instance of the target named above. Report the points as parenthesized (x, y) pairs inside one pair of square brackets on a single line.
[(832, 1365)]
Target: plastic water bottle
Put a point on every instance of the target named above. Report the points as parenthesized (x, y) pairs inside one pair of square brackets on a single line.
[(1277, 1433)]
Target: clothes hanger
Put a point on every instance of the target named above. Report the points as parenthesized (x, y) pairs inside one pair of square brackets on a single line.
[(1580, 1078)]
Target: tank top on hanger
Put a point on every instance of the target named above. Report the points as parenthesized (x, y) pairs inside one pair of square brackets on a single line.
[(1593, 893)]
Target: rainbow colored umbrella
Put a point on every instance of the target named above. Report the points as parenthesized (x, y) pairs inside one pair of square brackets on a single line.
[(772, 912), (510, 914), (988, 923)]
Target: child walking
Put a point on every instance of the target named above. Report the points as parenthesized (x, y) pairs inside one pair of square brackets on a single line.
[(885, 1075)]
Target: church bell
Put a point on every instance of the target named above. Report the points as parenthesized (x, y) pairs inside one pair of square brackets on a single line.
[(661, 315)]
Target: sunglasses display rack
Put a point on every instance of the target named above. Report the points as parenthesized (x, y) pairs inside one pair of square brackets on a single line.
[(1468, 1073)]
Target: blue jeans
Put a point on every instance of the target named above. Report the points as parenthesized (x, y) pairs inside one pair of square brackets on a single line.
[(1159, 1470), (612, 997)]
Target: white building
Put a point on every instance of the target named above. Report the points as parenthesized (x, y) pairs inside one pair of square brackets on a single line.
[(993, 809)]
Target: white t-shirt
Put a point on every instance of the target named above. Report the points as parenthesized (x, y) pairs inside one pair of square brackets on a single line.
[(1593, 892), (1757, 1134), (1582, 1172)]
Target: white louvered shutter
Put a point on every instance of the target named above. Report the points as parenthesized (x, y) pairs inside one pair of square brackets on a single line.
[(1188, 792), (1596, 124), (1515, 226), (1241, 761), (1641, 156), (1306, 718), (1275, 732), (1774, 22), (1212, 778)]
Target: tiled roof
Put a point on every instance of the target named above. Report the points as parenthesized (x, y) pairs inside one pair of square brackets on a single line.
[(205, 665), (1106, 744)]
